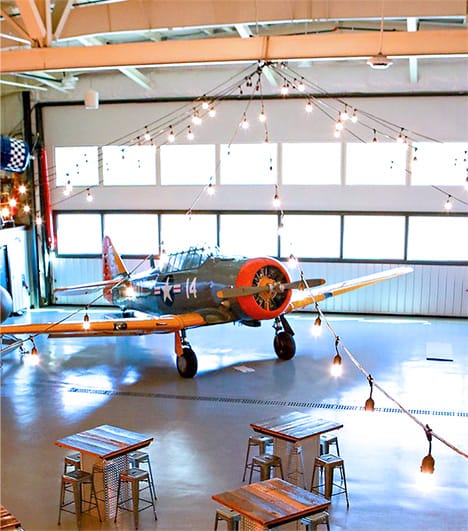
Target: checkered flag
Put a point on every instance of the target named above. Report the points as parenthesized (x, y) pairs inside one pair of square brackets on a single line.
[(14, 154)]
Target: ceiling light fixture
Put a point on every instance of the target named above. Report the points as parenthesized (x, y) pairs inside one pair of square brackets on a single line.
[(380, 61)]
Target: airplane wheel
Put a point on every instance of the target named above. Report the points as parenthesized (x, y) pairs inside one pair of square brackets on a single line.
[(187, 364), (285, 346)]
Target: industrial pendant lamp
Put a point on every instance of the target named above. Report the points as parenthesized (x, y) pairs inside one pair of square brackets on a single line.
[(380, 61)]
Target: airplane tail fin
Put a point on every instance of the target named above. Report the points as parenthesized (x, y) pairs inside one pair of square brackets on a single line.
[(112, 265)]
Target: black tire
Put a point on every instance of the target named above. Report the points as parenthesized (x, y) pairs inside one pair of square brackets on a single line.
[(187, 364), (285, 346)]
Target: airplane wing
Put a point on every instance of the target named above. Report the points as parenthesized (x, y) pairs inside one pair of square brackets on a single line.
[(109, 327), (324, 292)]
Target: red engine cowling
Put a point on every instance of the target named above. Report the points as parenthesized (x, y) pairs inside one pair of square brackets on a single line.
[(260, 272)]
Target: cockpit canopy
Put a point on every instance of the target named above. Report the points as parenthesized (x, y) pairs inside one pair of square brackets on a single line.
[(189, 259)]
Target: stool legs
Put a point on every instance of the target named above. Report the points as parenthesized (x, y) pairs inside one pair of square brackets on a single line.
[(76, 479)]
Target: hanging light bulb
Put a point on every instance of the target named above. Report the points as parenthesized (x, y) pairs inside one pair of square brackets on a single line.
[(309, 107), (401, 137), (267, 138), (354, 117), (262, 116), (147, 135), (292, 261), (27, 209), (285, 89), (339, 126), (12, 202), (336, 368), (190, 135), (344, 115), (276, 198), (68, 188), (211, 112), (211, 189), (375, 139), (337, 133), (171, 135), (205, 105), (22, 189), (89, 196), (317, 328), (86, 323), (370, 405), (196, 118), (245, 123), (427, 464), (162, 256), (300, 85), (448, 204)]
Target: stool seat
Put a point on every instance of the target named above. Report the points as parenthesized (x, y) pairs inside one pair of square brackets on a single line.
[(264, 464), (256, 441), (134, 476), (328, 463), (314, 520), (74, 480), (232, 518), (138, 458)]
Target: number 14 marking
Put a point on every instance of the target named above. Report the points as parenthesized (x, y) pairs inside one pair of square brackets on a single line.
[(191, 288)]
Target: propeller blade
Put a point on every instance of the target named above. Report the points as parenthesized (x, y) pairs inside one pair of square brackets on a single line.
[(244, 291)]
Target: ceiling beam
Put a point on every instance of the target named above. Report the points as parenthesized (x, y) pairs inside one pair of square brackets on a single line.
[(18, 30), (138, 15), (32, 21), (60, 17), (208, 51)]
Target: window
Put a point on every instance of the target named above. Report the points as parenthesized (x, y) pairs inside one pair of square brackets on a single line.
[(249, 235), (188, 164), (180, 231), (129, 165), (438, 238), (376, 163), (133, 233), (79, 165), (311, 236), (79, 234), (316, 163), (249, 164), (374, 237), (443, 164)]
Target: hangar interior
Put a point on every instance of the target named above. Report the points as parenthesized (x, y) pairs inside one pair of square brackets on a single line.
[(354, 116)]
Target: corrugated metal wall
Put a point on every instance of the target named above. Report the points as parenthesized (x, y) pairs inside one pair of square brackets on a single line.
[(432, 290)]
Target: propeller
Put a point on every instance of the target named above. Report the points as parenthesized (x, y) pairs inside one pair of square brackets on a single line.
[(271, 287)]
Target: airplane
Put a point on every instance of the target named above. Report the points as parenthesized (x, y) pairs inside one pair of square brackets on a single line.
[(193, 288)]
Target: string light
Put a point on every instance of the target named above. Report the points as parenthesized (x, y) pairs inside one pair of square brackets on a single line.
[(300, 85), (309, 107), (205, 105), (22, 189), (375, 139), (171, 135), (12, 202), (211, 112), (285, 89), (68, 188), (86, 323), (276, 198), (211, 189), (317, 328), (448, 204), (27, 209), (196, 118), (89, 196), (292, 261), (262, 116), (401, 138), (344, 114), (147, 135), (427, 464), (370, 404), (244, 123), (354, 116), (336, 368), (190, 135)]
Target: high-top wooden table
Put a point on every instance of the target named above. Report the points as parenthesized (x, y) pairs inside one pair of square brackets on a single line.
[(8, 520), (296, 439), (267, 504), (104, 451)]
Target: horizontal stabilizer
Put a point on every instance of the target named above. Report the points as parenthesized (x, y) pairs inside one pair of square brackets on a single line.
[(84, 289)]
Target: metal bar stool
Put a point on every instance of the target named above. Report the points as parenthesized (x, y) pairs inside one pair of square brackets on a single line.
[(264, 464), (231, 518), (73, 482), (134, 476), (138, 458), (72, 460), (260, 442), (312, 522), (328, 463), (327, 440)]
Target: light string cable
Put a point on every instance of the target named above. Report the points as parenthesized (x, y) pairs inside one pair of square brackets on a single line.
[(255, 88), (152, 131), (370, 379), (31, 337)]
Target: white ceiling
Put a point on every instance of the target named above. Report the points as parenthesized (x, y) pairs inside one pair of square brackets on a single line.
[(50, 45)]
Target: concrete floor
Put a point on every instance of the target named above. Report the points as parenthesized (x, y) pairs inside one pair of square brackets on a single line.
[(201, 426)]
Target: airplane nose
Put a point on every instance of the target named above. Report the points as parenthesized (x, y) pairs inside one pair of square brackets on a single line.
[(6, 304)]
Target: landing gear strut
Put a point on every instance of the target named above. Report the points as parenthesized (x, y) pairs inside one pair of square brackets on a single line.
[(284, 344), (187, 363)]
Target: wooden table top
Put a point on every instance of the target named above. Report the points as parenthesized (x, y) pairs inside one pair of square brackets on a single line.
[(105, 442), (272, 502), (8, 520), (295, 426)]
